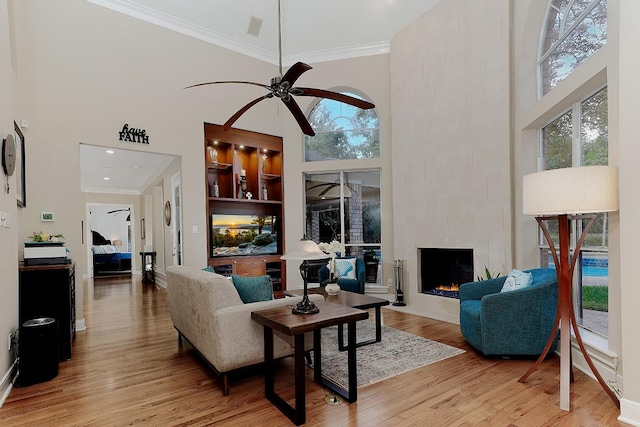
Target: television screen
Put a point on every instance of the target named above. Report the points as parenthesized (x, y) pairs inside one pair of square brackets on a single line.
[(235, 235)]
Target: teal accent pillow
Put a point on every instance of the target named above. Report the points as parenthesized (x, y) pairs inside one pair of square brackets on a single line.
[(346, 267), (517, 280), (209, 269), (253, 289)]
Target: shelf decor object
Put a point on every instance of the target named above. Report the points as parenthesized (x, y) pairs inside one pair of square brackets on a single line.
[(562, 195), (305, 250)]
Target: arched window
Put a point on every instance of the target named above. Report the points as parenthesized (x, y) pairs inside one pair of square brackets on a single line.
[(573, 31), (342, 132)]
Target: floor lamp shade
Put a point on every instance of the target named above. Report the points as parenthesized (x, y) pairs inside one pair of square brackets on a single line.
[(586, 189)]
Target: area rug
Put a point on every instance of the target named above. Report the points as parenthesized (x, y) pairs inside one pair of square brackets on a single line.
[(397, 353)]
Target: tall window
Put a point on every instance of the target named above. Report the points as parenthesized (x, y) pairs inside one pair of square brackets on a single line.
[(342, 132), (579, 137), (573, 31), (345, 206)]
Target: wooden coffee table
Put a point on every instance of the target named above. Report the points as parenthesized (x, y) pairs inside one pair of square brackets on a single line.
[(350, 299), (282, 320)]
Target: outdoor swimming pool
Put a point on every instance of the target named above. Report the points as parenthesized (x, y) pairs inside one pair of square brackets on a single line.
[(595, 266)]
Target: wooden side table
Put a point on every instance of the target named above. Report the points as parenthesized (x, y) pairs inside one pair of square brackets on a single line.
[(281, 319), (148, 267)]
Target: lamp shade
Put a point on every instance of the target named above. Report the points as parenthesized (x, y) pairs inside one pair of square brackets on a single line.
[(304, 249), (586, 189)]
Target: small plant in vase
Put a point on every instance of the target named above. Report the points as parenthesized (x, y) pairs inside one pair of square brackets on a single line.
[(333, 249), (41, 237)]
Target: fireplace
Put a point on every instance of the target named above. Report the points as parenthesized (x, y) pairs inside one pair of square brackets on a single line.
[(442, 270)]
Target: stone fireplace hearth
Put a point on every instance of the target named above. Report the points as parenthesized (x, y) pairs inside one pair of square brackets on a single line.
[(443, 270)]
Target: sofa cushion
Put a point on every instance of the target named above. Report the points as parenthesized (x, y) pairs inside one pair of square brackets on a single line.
[(516, 280), (253, 289), (346, 267)]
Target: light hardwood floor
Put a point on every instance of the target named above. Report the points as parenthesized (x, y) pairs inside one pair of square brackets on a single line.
[(127, 369)]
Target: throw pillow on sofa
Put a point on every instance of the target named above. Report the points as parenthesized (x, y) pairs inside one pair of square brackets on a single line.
[(517, 280), (253, 289)]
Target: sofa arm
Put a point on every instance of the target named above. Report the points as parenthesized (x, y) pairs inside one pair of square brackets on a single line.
[(477, 290), (238, 341)]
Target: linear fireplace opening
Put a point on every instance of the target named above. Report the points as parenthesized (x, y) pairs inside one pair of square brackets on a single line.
[(443, 270)]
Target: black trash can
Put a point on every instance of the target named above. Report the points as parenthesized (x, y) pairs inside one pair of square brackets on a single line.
[(38, 351)]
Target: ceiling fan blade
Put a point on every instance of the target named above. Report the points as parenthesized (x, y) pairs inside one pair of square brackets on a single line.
[(356, 102), (299, 116), (295, 72), (241, 111), (230, 81)]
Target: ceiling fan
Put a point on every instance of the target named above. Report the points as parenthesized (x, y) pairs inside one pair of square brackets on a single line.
[(117, 211), (282, 87)]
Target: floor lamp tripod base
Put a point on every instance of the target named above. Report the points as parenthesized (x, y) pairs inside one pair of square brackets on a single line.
[(565, 318)]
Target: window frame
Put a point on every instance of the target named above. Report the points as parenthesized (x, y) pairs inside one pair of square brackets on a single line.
[(575, 225), (312, 109), (545, 31)]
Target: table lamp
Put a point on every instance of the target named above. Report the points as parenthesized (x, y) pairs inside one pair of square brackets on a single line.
[(305, 250), (563, 195)]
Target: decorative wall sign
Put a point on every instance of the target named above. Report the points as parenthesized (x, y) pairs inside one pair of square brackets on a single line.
[(128, 134)]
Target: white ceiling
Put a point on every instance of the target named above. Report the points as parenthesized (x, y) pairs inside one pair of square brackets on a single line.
[(129, 171), (312, 31)]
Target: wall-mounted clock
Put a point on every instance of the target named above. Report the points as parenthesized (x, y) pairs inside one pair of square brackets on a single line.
[(9, 155), (167, 213)]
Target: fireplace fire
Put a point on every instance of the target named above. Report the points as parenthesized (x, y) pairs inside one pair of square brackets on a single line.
[(444, 270)]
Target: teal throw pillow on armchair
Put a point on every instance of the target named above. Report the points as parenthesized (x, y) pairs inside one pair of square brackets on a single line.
[(253, 289), (346, 267), (517, 280)]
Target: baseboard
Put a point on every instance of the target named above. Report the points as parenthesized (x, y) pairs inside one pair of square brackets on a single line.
[(375, 289), (7, 382), (81, 325), (629, 412)]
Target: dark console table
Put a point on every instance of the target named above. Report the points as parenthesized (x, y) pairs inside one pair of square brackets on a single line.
[(50, 291)]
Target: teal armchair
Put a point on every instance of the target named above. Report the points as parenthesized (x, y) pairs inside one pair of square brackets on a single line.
[(515, 323), (352, 285)]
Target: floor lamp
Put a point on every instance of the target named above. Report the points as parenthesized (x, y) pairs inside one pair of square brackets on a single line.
[(305, 250), (563, 195)]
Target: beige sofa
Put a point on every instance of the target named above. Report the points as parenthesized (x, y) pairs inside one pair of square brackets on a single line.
[(207, 310)]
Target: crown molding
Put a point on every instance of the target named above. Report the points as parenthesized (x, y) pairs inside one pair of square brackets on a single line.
[(204, 34)]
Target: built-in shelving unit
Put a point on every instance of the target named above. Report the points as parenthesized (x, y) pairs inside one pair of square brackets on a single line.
[(244, 178)]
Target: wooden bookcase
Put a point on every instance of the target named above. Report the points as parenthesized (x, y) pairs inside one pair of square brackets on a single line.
[(228, 155)]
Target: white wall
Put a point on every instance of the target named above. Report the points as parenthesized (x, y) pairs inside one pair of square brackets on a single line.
[(628, 91), (8, 236), (451, 140)]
